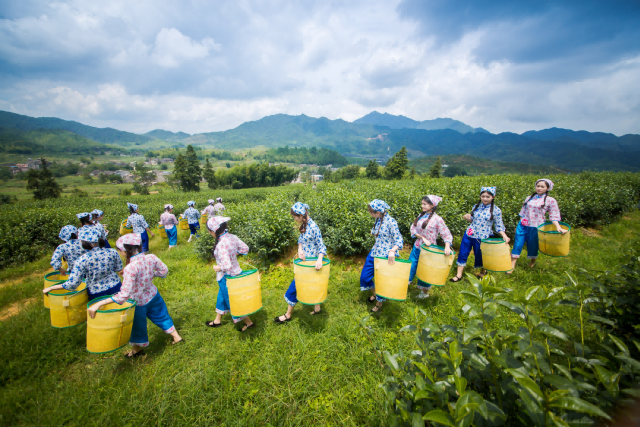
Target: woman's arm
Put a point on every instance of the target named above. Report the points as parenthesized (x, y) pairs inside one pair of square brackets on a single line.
[(91, 311)]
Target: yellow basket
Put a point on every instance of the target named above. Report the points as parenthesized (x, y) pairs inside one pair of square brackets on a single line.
[(183, 223), (433, 266), (551, 242), (162, 232), (204, 218), (111, 328), (51, 279), (124, 228), (67, 308), (392, 281), (245, 294), (496, 255), (311, 284)]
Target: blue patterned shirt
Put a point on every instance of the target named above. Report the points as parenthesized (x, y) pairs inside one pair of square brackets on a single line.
[(388, 236), (99, 227), (481, 224), (97, 268), (311, 240), (192, 215), (138, 223), (71, 251)]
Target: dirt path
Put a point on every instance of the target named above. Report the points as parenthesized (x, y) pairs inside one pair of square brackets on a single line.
[(15, 308)]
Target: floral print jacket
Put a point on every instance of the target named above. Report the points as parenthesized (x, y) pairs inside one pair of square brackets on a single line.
[(533, 213), (137, 282), (138, 223), (387, 236), (435, 227), (311, 240), (97, 268), (71, 251), (481, 223), (226, 254)]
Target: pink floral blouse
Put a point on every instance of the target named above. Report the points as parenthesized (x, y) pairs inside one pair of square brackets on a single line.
[(137, 279), (168, 220), (218, 208), (209, 211), (533, 214), (436, 226), (229, 246)]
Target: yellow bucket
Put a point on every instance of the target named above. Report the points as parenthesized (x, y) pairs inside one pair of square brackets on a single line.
[(204, 218), (125, 229), (51, 279), (552, 243), (433, 266), (184, 223), (162, 232), (496, 255), (68, 307), (111, 328), (311, 284), (245, 294), (392, 281)]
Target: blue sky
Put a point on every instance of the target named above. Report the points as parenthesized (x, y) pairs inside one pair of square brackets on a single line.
[(201, 66)]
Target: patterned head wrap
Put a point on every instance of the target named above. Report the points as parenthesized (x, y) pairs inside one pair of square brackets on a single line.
[(83, 215), (490, 190), (214, 223), (97, 212), (191, 203), (211, 201), (131, 205), (548, 181), (128, 239), (379, 205), (67, 231), (168, 206), (219, 199), (300, 208), (435, 200), (89, 234)]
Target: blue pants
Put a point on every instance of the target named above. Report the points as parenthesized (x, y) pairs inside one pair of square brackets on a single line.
[(367, 275), (172, 234), (194, 228), (156, 311), (528, 235), (145, 241), (109, 291), (291, 296), (414, 258), (465, 249), (222, 301)]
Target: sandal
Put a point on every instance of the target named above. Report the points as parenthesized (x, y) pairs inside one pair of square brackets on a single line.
[(212, 324), (131, 354), (480, 275), (280, 322), (313, 313), (455, 279), (178, 342), (376, 308), (246, 328), (372, 298)]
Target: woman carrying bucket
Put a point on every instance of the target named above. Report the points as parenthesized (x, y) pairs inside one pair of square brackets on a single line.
[(193, 218), (169, 220), (97, 268), (137, 284), (139, 225), (310, 245), (96, 216), (225, 251), (426, 227), (209, 210), (71, 250), (533, 214), (484, 215), (218, 207), (388, 242)]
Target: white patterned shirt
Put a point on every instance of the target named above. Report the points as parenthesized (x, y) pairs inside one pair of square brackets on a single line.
[(533, 214), (311, 240), (138, 223), (137, 279), (226, 254), (388, 236), (97, 268), (436, 226), (192, 215), (71, 251), (168, 220), (481, 223)]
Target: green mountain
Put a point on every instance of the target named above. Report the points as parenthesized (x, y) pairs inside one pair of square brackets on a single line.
[(401, 122), (104, 135), (476, 165), (167, 135), (591, 139)]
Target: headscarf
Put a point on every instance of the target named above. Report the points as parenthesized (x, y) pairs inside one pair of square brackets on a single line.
[(300, 208), (128, 239), (168, 206), (211, 201), (89, 234), (131, 205), (83, 215), (379, 205), (219, 199), (435, 200), (97, 212), (490, 190), (191, 203), (67, 231), (548, 181), (214, 223)]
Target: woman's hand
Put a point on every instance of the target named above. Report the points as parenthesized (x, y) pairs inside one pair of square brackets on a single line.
[(217, 268), (392, 257), (467, 217), (426, 241), (319, 264), (46, 290), (62, 270), (506, 238), (562, 230), (301, 255), (91, 311), (447, 249)]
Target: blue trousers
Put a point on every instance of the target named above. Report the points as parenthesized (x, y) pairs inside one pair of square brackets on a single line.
[(194, 228), (222, 301), (156, 311), (414, 258), (528, 235), (465, 249), (145, 241), (172, 234), (291, 296), (367, 275), (109, 291)]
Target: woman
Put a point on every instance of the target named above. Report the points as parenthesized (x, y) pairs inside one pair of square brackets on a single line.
[(533, 212), (427, 226), (170, 222), (209, 210), (193, 218), (85, 220), (71, 250), (225, 250), (388, 242), (310, 245), (218, 207), (137, 285), (96, 217), (97, 268), (484, 215), (139, 225)]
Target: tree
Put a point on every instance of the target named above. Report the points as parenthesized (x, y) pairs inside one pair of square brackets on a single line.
[(102, 179), (143, 176), (412, 173), (42, 183), (435, 169), (5, 174), (397, 165), (209, 175), (187, 170), (373, 170), (454, 170), (228, 165)]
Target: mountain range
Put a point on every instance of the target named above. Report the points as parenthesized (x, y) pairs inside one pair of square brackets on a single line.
[(402, 122)]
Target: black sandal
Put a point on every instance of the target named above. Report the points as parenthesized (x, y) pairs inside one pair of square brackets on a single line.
[(455, 279), (131, 354), (178, 342), (280, 322), (212, 324), (376, 308), (245, 328), (313, 313), (372, 298)]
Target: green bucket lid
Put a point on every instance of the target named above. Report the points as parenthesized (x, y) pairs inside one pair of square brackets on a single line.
[(298, 261), (113, 310), (244, 273), (432, 247), (397, 259), (493, 241), (552, 231)]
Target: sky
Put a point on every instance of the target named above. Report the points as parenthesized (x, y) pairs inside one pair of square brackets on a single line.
[(203, 65)]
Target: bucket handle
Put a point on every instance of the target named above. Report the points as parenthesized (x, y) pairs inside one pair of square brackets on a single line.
[(252, 268)]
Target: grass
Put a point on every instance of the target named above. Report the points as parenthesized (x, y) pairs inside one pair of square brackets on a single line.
[(317, 370)]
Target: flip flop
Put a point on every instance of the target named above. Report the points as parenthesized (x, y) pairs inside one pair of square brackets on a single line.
[(212, 324), (280, 322), (455, 279), (376, 308), (313, 313), (131, 354), (371, 299), (178, 342), (246, 328)]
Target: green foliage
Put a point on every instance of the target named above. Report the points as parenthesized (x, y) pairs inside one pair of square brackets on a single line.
[(187, 170), (5, 174), (397, 165), (454, 170), (434, 172), (373, 170), (144, 176), (253, 175), (42, 183), (209, 175), (304, 155)]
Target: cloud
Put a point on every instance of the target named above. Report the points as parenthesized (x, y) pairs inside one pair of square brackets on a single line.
[(172, 48)]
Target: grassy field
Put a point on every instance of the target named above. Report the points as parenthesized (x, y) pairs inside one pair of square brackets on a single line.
[(314, 370)]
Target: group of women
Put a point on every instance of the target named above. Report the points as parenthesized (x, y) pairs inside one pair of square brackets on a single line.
[(90, 259)]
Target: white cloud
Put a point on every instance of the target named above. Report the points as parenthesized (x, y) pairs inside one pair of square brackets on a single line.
[(173, 48)]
